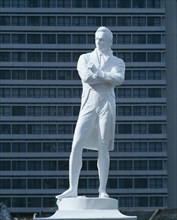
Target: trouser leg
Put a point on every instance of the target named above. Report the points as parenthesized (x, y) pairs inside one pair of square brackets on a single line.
[(103, 150)]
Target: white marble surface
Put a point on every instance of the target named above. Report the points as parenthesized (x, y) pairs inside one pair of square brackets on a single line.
[(88, 209)]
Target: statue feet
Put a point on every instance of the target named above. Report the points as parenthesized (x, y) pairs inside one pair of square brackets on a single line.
[(70, 193), (103, 195)]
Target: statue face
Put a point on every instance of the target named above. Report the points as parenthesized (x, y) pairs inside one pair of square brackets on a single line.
[(102, 42)]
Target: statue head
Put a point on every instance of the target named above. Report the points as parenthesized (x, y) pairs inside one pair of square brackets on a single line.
[(103, 39)]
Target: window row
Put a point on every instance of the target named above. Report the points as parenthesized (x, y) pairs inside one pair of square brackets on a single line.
[(84, 183), (121, 110), (82, 3), (74, 56), (23, 38), (65, 146), (90, 165), (67, 74), (141, 128), (124, 201), (31, 201), (40, 110), (67, 20), (37, 74), (76, 92)]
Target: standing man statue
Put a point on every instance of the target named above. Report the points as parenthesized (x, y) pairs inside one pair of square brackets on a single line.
[(100, 72)]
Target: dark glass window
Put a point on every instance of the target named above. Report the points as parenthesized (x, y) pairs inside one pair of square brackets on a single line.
[(33, 3), (155, 129), (93, 21), (33, 74), (18, 3), (64, 3), (125, 183), (4, 38), (18, 74), (5, 3), (109, 21), (78, 3), (154, 39), (154, 93), (5, 147), (5, 74), (64, 39), (19, 202), (141, 183), (139, 21), (139, 3), (125, 165), (18, 38), (123, 3), (18, 20), (140, 165), (33, 38), (4, 56), (49, 39), (18, 129), (79, 39), (49, 21), (19, 56), (4, 20), (63, 21), (18, 110), (139, 57), (79, 21), (34, 20), (125, 129), (154, 21), (109, 3), (94, 4), (154, 57), (49, 57), (34, 57), (48, 3), (124, 21), (139, 39)]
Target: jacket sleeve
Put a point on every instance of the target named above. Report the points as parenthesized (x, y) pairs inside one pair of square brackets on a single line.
[(86, 73), (115, 76)]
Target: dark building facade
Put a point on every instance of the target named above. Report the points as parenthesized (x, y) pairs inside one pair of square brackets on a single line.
[(40, 93)]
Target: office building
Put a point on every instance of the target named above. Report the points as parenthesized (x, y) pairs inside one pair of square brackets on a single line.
[(40, 93)]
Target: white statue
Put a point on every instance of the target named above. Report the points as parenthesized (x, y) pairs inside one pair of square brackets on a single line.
[(100, 72)]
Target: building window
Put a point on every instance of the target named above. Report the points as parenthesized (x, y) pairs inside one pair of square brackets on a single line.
[(34, 57), (140, 183), (64, 21), (124, 39), (125, 165), (18, 57), (139, 4), (139, 93), (33, 3), (141, 201), (6, 3), (4, 20), (124, 21), (48, 3), (64, 74), (34, 183), (18, 110), (124, 110), (5, 56), (140, 129), (49, 39), (123, 93), (18, 38), (18, 20), (155, 165), (33, 74), (33, 93), (18, 4), (126, 201), (5, 38), (109, 4), (139, 110), (18, 74), (139, 39), (155, 183), (123, 3), (64, 57), (49, 74), (153, 21), (19, 202), (49, 57), (49, 129), (124, 129), (5, 111), (125, 183), (79, 21), (33, 20), (33, 38), (18, 129), (5, 74), (19, 165), (139, 21), (34, 147), (124, 147), (140, 146), (64, 3), (33, 110), (34, 202), (34, 129), (109, 21), (79, 39), (18, 183), (154, 4), (18, 93), (64, 39), (49, 165), (140, 165), (94, 4), (155, 147), (4, 93), (5, 184), (139, 56), (49, 21), (156, 201), (79, 4), (154, 57), (93, 21), (154, 39), (49, 147)]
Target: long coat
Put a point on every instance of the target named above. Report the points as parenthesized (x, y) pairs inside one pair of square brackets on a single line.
[(106, 76)]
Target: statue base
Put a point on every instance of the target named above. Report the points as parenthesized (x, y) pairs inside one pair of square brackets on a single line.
[(87, 209)]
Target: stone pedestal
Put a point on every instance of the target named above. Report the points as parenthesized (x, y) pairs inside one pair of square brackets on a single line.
[(88, 209)]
